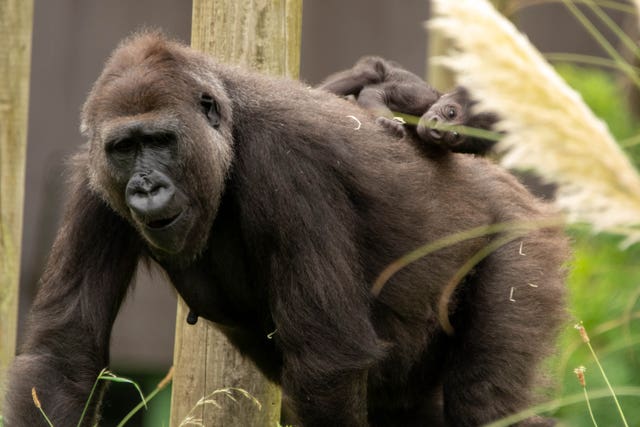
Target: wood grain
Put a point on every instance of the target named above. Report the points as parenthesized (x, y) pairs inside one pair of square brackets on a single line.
[(262, 35), (16, 17)]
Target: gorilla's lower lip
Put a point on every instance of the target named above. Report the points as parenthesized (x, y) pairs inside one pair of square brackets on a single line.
[(159, 224), (435, 134)]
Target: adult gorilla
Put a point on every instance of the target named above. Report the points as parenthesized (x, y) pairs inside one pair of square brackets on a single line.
[(273, 206)]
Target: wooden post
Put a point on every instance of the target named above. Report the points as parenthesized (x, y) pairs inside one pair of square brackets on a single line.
[(263, 35), (501, 5), (438, 75), (16, 18)]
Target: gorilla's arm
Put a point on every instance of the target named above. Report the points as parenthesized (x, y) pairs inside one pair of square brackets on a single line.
[(69, 326), (367, 71), (383, 87), (318, 298)]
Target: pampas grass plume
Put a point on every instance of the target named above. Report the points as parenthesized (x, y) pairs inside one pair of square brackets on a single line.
[(548, 127)]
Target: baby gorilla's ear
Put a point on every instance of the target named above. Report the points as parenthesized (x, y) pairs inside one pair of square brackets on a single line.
[(482, 121)]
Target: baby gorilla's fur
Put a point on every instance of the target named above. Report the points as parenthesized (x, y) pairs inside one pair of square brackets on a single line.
[(455, 109), (384, 88)]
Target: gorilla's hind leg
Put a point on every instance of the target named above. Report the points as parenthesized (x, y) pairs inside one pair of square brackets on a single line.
[(510, 312)]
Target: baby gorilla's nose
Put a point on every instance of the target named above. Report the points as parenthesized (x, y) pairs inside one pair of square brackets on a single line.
[(435, 133), (428, 128)]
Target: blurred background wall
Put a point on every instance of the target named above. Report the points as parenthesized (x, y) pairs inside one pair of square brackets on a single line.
[(71, 41)]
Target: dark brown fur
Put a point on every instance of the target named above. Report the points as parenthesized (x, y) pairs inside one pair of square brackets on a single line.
[(289, 213), (452, 109), (385, 88)]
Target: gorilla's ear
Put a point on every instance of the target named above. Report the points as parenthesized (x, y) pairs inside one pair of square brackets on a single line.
[(211, 109)]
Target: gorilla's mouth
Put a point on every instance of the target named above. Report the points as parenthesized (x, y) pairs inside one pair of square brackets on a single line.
[(158, 224), (167, 232), (435, 134)]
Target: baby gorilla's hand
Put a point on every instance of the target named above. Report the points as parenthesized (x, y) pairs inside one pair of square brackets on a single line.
[(395, 126)]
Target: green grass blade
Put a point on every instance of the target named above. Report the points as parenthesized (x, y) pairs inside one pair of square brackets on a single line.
[(603, 42), (615, 28), (93, 389), (563, 402), (161, 385), (108, 376)]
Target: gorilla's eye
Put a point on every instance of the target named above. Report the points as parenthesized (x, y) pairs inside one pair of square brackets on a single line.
[(451, 113), (211, 109), (121, 146)]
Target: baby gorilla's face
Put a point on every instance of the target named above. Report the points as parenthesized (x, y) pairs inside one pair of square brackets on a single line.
[(450, 109)]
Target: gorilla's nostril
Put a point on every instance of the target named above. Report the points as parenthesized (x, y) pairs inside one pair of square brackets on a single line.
[(149, 194)]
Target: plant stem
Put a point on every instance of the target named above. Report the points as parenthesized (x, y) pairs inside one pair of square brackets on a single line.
[(523, 4), (602, 41), (624, 38), (586, 397), (45, 417), (606, 380), (561, 402), (514, 227), (630, 142), (584, 59), (139, 406), (161, 385), (93, 389)]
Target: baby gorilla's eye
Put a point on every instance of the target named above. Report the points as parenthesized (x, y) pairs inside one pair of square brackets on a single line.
[(451, 113)]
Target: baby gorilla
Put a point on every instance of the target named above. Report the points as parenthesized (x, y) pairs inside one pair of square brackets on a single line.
[(455, 109), (384, 87)]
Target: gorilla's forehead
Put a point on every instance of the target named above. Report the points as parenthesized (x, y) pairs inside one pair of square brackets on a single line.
[(142, 77), (147, 123), (140, 91)]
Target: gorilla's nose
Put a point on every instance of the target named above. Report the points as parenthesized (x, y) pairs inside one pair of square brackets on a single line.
[(149, 194), (435, 134), (427, 128)]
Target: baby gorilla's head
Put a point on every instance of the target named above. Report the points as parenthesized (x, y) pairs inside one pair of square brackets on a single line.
[(450, 109), (453, 109)]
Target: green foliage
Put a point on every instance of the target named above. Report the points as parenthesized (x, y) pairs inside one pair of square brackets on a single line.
[(604, 285), (156, 418), (602, 93), (604, 294)]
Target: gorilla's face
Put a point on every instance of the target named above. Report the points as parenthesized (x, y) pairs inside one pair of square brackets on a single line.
[(160, 149), (448, 110)]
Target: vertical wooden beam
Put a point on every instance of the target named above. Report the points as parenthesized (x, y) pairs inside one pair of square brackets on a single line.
[(263, 35), (438, 75), (16, 18), (258, 34), (501, 5)]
